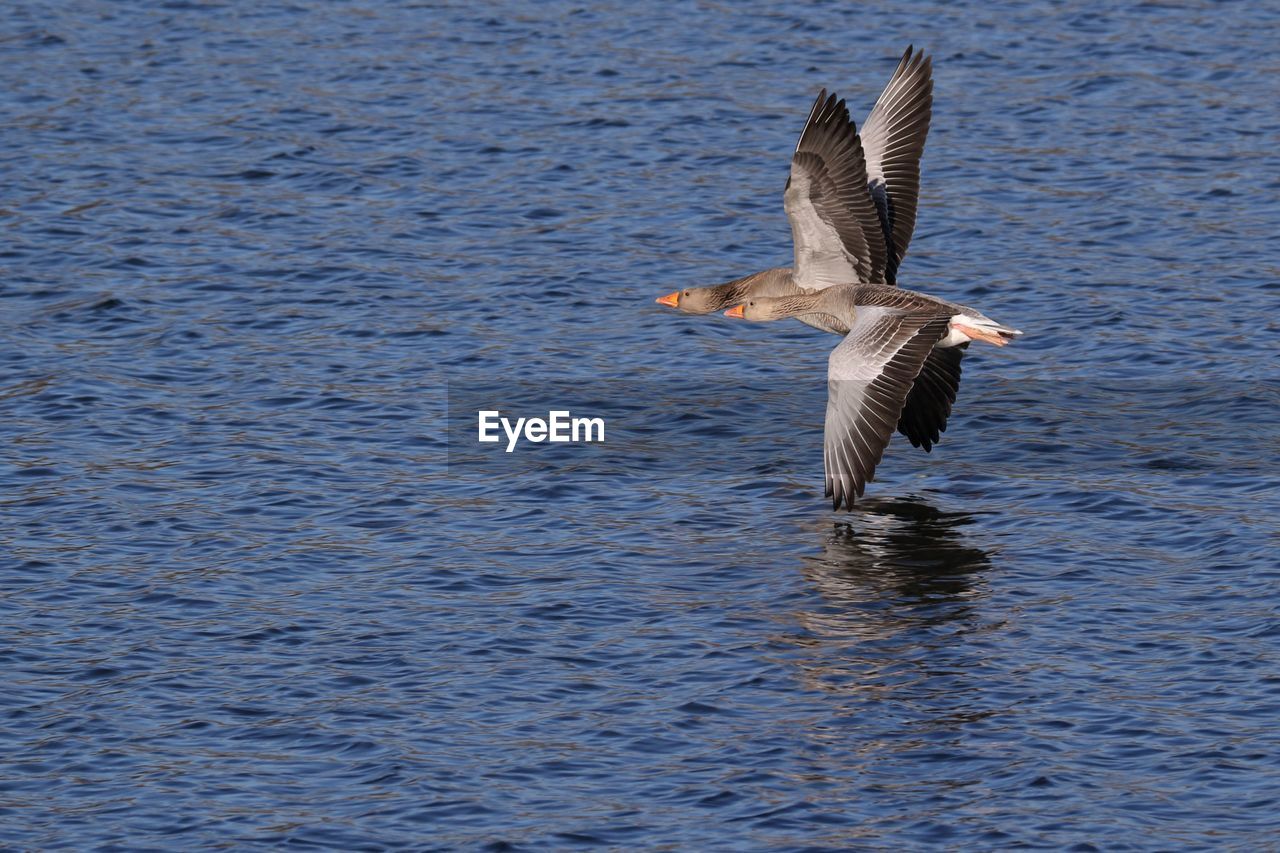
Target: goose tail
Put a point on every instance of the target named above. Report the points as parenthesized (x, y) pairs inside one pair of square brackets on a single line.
[(967, 327)]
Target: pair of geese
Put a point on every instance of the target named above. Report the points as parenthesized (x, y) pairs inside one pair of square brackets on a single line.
[(851, 201)]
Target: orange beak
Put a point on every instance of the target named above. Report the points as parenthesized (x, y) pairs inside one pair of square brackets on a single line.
[(671, 300), (735, 311)]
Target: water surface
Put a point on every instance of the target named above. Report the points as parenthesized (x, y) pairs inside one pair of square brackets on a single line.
[(250, 599)]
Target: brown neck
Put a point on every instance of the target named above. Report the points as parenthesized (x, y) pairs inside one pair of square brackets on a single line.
[(772, 282)]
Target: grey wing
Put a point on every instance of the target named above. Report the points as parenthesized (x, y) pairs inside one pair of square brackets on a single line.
[(924, 417), (868, 379), (834, 224), (897, 298), (893, 138)]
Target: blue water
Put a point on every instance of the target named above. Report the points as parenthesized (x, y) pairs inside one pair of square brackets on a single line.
[(257, 260)]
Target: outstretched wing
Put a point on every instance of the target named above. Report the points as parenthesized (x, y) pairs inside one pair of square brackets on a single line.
[(868, 378), (893, 138), (834, 224)]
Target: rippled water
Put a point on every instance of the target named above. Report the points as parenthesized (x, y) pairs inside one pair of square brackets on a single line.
[(251, 254)]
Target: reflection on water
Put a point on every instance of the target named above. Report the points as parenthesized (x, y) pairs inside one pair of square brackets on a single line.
[(895, 579), (905, 551)]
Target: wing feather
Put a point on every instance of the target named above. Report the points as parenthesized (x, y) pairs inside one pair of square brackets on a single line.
[(835, 226), (893, 138), (924, 417), (869, 377)]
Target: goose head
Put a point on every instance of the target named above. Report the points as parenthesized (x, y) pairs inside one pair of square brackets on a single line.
[(698, 300)]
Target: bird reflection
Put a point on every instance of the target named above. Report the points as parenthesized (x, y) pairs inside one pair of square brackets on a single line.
[(899, 586), (906, 549)]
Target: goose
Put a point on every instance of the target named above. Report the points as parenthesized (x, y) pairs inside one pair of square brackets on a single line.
[(890, 334), (851, 200)]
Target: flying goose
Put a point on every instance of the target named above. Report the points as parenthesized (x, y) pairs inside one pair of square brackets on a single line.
[(851, 200), (891, 334), (835, 234)]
